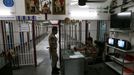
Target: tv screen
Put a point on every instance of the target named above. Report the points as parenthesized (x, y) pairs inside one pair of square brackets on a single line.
[(121, 20), (111, 41), (124, 44), (121, 43)]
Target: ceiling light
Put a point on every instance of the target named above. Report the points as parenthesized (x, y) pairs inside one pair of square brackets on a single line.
[(79, 13), (124, 13)]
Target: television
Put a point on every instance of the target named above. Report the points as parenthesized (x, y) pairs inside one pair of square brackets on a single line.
[(123, 44), (111, 41), (121, 20)]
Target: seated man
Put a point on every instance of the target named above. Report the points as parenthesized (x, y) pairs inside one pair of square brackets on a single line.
[(89, 50)]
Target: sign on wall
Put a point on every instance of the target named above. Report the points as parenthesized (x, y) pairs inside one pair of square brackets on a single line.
[(24, 27), (7, 8), (8, 3)]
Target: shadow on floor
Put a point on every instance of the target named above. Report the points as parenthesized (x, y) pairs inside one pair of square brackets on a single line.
[(45, 69), (42, 69), (100, 69)]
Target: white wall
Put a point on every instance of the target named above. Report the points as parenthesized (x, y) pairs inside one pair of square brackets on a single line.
[(20, 10)]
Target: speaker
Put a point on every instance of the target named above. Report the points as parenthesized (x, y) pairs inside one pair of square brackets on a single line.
[(82, 2)]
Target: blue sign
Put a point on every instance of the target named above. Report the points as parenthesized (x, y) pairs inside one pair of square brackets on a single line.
[(8, 3)]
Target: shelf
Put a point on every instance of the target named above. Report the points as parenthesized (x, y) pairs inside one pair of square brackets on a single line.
[(117, 68), (127, 2), (114, 7), (125, 51), (120, 60), (121, 31)]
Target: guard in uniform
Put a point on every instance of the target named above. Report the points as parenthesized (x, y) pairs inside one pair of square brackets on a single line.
[(53, 50)]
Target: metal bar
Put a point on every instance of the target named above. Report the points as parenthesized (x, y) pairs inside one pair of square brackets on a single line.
[(34, 44), (60, 42), (4, 47), (86, 31)]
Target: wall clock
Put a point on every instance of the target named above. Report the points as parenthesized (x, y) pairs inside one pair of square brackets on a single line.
[(8, 3)]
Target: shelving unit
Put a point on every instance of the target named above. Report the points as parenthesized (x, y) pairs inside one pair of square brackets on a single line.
[(119, 64), (119, 60), (123, 6)]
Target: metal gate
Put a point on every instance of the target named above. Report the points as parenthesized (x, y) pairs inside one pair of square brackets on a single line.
[(70, 35), (19, 38)]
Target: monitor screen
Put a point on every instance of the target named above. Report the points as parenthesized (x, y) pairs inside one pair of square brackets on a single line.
[(121, 43), (121, 20), (111, 41)]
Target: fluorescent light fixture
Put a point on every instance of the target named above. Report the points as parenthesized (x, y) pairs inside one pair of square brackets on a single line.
[(46, 22), (74, 0), (54, 21), (124, 13), (73, 3), (79, 13), (4, 12)]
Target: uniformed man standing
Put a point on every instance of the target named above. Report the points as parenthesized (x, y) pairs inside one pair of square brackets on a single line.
[(53, 50)]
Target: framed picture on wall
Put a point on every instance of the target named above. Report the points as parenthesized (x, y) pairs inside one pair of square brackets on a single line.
[(58, 7), (32, 7), (38, 6), (45, 6)]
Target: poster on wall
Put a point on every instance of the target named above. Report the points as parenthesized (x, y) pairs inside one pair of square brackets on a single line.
[(38, 6), (58, 7)]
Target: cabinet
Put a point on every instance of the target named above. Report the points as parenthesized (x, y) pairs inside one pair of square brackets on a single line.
[(122, 61), (72, 63)]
